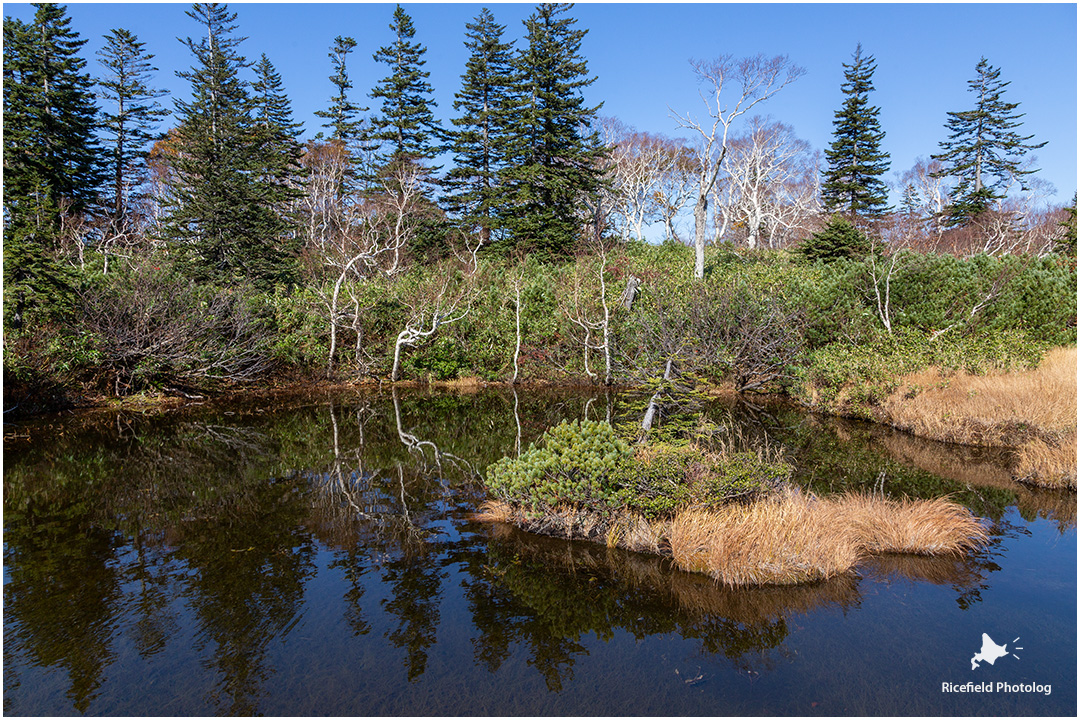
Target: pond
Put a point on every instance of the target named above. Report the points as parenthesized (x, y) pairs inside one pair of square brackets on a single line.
[(314, 555)]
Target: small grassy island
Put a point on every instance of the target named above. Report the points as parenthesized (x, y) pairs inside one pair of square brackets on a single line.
[(730, 515)]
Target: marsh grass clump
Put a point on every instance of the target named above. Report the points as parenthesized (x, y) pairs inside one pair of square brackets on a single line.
[(777, 541), (728, 514), (1032, 411), (793, 538), (1048, 463), (917, 527)]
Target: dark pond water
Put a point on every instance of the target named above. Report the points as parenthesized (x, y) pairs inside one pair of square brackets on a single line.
[(314, 556)]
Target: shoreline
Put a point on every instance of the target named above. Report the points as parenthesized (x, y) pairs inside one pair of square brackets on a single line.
[(171, 399)]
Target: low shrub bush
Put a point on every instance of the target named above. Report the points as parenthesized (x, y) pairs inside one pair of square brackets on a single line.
[(586, 465)]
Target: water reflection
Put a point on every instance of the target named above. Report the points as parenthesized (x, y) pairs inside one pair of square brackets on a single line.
[(549, 595), (62, 594), (199, 541)]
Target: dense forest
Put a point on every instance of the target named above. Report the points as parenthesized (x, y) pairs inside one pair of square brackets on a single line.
[(183, 249)]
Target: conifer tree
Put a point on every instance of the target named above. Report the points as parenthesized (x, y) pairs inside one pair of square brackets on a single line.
[(852, 181), (983, 152), (343, 115), (130, 116), (554, 154), (278, 138), (52, 164), (406, 124), (51, 157), (223, 200), (473, 191)]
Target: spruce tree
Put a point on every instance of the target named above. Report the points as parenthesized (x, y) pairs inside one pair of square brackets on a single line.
[(130, 117), (852, 182), (473, 191), (278, 141), (554, 154), (343, 115), (406, 124), (223, 202), (51, 157), (983, 152), (52, 164)]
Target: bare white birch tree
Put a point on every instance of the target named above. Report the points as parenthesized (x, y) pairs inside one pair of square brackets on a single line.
[(435, 305), (769, 184), (591, 319), (372, 243), (748, 81)]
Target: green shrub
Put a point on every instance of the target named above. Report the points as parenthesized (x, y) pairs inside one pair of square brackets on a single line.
[(839, 239), (587, 465), (663, 478), (573, 463)]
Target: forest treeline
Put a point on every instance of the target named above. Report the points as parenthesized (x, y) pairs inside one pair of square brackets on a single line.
[(182, 248)]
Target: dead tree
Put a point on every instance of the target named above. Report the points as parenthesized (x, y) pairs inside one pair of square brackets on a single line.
[(755, 80), (432, 310)]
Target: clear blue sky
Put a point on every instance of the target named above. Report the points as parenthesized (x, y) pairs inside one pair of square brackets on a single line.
[(639, 52)]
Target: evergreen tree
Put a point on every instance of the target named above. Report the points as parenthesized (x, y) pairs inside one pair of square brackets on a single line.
[(983, 152), (343, 115), (852, 181), (278, 141), (406, 126), (554, 155), (223, 199), (128, 123), (839, 239), (1067, 244), (51, 157), (473, 191)]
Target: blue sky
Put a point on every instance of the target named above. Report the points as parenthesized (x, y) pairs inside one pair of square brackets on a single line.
[(639, 54)]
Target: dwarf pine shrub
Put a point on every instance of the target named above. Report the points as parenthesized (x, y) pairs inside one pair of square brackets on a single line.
[(588, 465)]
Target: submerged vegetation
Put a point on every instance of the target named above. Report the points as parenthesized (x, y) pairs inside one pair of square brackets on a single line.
[(731, 516)]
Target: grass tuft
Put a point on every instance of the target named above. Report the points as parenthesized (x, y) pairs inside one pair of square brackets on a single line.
[(1050, 464), (1032, 411), (917, 527), (779, 541), (786, 539)]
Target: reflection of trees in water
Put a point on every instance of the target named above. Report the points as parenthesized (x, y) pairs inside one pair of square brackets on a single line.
[(62, 595), (152, 573), (247, 588), (387, 512), (225, 512), (547, 595)]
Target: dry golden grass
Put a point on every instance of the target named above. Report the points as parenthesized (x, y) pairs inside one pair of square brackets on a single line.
[(786, 539), (494, 511), (917, 527), (462, 384), (1033, 411), (1048, 464), (778, 541)]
